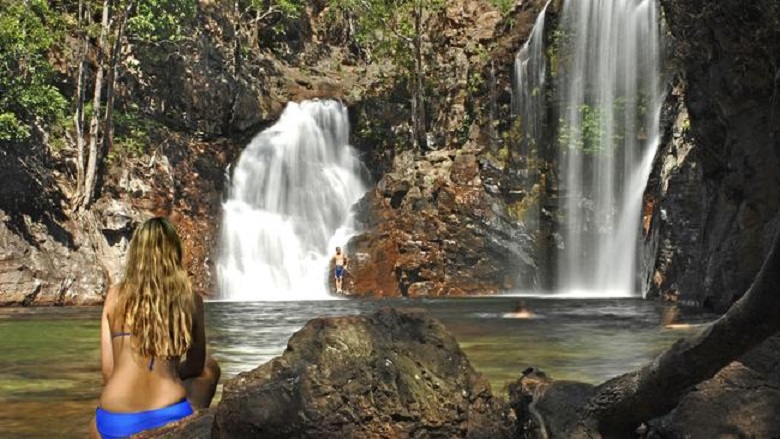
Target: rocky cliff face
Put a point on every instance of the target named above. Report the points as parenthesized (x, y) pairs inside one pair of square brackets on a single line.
[(452, 221), (715, 195), (435, 230), (456, 229), (466, 216)]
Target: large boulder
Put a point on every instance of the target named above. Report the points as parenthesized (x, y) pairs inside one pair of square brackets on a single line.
[(392, 374), (742, 400)]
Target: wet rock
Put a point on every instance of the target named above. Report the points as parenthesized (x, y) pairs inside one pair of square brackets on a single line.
[(545, 407), (391, 374), (443, 239), (421, 289), (673, 212), (733, 127)]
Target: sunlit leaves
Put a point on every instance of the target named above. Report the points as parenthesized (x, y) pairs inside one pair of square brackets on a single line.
[(160, 20), (25, 74)]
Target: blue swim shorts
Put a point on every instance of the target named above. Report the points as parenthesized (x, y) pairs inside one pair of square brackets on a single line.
[(339, 271), (112, 425)]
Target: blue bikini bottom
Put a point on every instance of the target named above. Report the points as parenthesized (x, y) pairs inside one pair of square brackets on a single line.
[(119, 425)]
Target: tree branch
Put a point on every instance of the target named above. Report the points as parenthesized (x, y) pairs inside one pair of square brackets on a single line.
[(620, 405)]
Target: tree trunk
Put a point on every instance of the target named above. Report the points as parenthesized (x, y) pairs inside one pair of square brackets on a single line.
[(94, 126), (78, 117), (116, 53), (237, 36), (621, 404), (418, 102)]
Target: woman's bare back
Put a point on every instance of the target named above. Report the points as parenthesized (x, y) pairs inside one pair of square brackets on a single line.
[(136, 383)]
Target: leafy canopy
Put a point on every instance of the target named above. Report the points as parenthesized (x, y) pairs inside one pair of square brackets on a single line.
[(26, 93), (386, 27), (161, 20)]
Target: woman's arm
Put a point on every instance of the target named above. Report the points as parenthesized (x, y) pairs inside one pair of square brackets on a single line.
[(106, 348), (192, 366)]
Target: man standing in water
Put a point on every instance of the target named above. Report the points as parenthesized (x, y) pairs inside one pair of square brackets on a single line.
[(340, 261)]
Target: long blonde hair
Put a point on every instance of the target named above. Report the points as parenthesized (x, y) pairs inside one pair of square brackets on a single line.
[(156, 297)]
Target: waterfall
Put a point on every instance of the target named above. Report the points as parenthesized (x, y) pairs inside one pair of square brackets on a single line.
[(529, 103), (289, 206), (609, 98), (530, 80), (604, 75)]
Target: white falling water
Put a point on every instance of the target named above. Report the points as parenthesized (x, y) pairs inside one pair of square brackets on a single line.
[(609, 98), (289, 206), (530, 80)]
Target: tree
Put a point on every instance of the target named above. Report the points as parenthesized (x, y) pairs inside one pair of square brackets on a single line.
[(27, 96), (256, 15), (395, 28), (152, 21)]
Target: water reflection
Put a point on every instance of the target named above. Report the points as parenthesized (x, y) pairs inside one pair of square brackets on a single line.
[(588, 340), (50, 379)]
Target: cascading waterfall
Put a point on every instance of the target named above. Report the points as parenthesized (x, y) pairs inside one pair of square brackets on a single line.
[(609, 97), (289, 206), (605, 72), (530, 81), (529, 105)]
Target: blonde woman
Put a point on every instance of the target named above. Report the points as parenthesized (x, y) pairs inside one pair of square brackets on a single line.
[(152, 342)]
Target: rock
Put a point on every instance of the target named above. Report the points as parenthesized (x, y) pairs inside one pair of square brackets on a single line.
[(429, 235), (421, 289), (742, 400), (37, 269), (197, 426), (464, 169), (486, 25), (671, 251), (440, 155), (726, 189), (395, 373)]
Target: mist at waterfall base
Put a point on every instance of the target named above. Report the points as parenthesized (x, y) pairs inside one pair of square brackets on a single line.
[(289, 206), (606, 87)]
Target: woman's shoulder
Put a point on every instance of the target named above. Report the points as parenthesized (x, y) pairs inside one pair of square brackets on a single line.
[(112, 295), (111, 302)]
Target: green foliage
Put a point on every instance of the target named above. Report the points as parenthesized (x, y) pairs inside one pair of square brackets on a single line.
[(462, 134), (685, 126), (559, 51), (26, 93), (161, 20), (590, 136), (515, 134), (476, 83), (385, 27), (503, 6), (276, 13), (132, 132)]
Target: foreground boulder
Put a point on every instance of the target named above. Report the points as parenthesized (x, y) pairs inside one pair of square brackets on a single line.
[(742, 400), (392, 374)]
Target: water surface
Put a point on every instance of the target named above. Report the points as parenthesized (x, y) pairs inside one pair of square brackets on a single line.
[(50, 379)]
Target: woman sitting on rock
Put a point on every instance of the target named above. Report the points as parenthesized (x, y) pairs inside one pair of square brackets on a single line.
[(152, 341)]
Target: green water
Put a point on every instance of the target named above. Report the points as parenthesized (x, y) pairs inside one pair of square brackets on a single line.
[(50, 379), (49, 372)]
